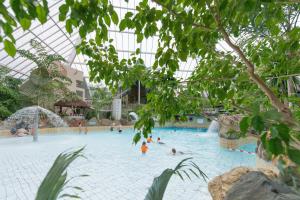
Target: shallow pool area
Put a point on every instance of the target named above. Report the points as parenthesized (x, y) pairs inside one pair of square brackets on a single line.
[(115, 166)]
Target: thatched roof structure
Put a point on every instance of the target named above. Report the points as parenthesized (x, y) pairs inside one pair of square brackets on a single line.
[(75, 104)]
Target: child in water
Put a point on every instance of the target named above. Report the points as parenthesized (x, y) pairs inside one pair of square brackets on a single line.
[(144, 148), (119, 129), (174, 152), (80, 127), (149, 139), (159, 142)]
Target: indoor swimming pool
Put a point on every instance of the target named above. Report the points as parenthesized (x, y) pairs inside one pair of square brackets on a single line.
[(115, 166)]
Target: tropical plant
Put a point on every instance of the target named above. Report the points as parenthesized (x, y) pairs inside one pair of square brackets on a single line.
[(101, 99), (10, 97), (46, 84), (258, 35), (160, 183), (55, 182), (262, 41)]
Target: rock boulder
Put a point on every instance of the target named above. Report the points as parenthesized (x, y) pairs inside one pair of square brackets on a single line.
[(257, 186), (229, 126), (220, 185)]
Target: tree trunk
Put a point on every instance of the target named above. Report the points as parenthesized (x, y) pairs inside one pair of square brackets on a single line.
[(281, 107)]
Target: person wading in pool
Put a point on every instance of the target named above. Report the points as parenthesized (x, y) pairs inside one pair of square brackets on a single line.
[(149, 139), (80, 127), (119, 129), (174, 152), (144, 148), (159, 142)]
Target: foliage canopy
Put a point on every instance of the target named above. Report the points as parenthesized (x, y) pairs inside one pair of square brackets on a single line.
[(11, 98), (254, 75), (47, 83)]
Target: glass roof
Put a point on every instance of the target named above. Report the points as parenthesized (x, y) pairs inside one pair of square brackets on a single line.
[(54, 37)]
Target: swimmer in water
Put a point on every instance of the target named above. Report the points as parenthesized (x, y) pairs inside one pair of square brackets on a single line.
[(159, 142), (149, 139), (119, 129), (144, 148), (80, 127), (112, 127), (174, 152)]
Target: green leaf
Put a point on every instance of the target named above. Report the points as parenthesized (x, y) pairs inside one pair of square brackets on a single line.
[(105, 2), (284, 132), (183, 55), (294, 155), (69, 26), (255, 107), (41, 14), (139, 37), (275, 146), (274, 132), (82, 32), (272, 115), (249, 5), (107, 20), (160, 183), (244, 124), (10, 48), (136, 138), (98, 37), (258, 20), (56, 178), (70, 2), (25, 23), (223, 5), (137, 51), (123, 24), (264, 141), (114, 17), (258, 123), (128, 14), (63, 9)]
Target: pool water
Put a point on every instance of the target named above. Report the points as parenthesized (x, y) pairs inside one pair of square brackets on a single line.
[(248, 147), (116, 168)]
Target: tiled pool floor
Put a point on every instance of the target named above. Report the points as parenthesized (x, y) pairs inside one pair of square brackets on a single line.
[(115, 167)]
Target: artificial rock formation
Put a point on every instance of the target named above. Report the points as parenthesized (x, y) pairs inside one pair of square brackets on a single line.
[(220, 185), (257, 186), (229, 124)]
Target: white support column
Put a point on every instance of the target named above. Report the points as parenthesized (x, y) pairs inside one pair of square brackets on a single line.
[(117, 109), (72, 55)]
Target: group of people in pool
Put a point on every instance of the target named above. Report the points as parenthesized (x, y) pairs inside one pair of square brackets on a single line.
[(144, 147), (119, 129)]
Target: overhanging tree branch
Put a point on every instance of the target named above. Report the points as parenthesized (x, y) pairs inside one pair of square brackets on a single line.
[(282, 108)]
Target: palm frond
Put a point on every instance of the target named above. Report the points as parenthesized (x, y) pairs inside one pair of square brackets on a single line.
[(159, 185), (56, 179)]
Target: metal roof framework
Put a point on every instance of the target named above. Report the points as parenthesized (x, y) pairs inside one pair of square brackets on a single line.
[(54, 37)]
